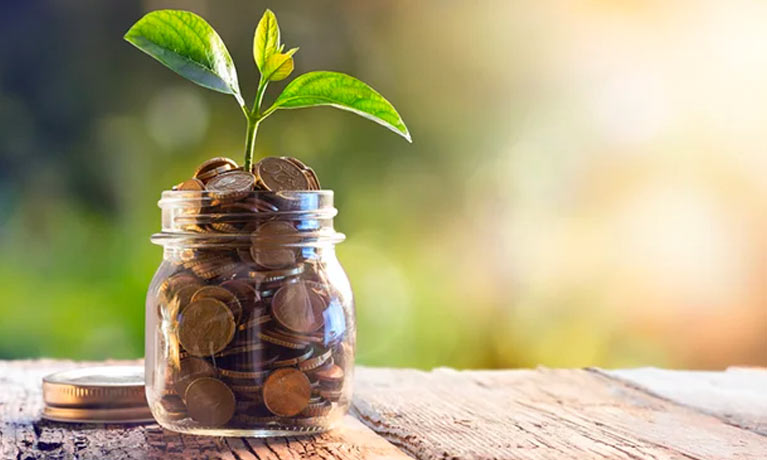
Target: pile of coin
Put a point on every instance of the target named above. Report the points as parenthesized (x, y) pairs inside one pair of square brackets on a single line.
[(254, 334)]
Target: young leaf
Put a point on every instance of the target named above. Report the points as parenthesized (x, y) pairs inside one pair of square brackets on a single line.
[(266, 40), (343, 92), (188, 45), (279, 65)]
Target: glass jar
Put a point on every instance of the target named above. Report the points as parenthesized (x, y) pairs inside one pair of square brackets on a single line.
[(250, 326)]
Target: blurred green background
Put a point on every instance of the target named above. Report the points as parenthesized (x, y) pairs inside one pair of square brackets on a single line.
[(586, 184)]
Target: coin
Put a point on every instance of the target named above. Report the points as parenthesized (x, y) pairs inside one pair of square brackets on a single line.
[(255, 322), (215, 269), (287, 392), (315, 362), (206, 327), (252, 204), (247, 388), (266, 276), (331, 374), (292, 361), (180, 300), (190, 185), (231, 185), (276, 174), (224, 227), (236, 374), (301, 165), (278, 340), (332, 395), (244, 291), (222, 294), (174, 282), (265, 248), (314, 181), (191, 368), (246, 350), (209, 401), (315, 337), (213, 167), (317, 407), (299, 308)]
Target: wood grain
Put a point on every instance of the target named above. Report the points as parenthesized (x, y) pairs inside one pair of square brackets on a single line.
[(521, 414), (23, 435), (539, 414), (737, 396)]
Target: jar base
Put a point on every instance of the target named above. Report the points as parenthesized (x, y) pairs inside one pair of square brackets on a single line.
[(255, 432)]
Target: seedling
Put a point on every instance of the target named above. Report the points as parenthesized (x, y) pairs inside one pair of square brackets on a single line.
[(188, 45)]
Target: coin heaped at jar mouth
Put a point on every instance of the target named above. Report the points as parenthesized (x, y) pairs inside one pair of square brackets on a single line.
[(250, 320)]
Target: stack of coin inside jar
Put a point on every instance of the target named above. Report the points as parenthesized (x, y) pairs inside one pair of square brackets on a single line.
[(254, 334)]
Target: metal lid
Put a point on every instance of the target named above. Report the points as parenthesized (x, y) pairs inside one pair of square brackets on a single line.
[(112, 394)]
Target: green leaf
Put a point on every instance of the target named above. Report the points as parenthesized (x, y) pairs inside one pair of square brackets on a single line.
[(343, 92), (266, 40), (279, 65), (188, 45)]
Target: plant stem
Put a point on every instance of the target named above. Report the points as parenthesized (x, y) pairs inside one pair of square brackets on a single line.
[(254, 119), (250, 141)]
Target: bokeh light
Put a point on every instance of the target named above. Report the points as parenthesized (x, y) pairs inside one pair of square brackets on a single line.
[(587, 183)]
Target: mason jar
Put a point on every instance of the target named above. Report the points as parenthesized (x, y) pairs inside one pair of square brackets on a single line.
[(250, 325)]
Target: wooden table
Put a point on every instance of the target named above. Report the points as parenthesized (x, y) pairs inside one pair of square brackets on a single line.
[(442, 414)]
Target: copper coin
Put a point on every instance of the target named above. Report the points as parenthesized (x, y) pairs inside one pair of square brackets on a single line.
[(211, 168), (231, 186), (276, 175), (190, 369), (311, 176), (295, 161), (206, 327), (265, 248), (174, 282), (317, 408), (222, 294), (214, 269), (294, 360), (173, 406), (254, 205), (266, 276), (224, 227), (316, 337), (191, 185), (332, 373), (281, 341), (237, 374), (332, 395), (315, 362), (299, 308), (287, 392), (209, 401), (180, 300), (255, 322), (243, 290), (314, 181), (247, 350)]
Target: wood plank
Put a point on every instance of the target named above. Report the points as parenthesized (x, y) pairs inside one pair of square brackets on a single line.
[(23, 435), (535, 414), (738, 395)]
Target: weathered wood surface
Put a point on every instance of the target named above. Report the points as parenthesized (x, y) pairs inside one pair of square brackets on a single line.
[(738, 395), (23, 435), (539, 414), (520, 414)]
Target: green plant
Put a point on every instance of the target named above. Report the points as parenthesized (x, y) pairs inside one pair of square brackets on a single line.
[(188, 45)]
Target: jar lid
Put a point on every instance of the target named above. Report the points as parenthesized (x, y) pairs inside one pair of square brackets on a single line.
[(110, 394)]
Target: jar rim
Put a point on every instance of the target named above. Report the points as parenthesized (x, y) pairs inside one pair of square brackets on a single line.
[(200, 207), (178, 197)]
